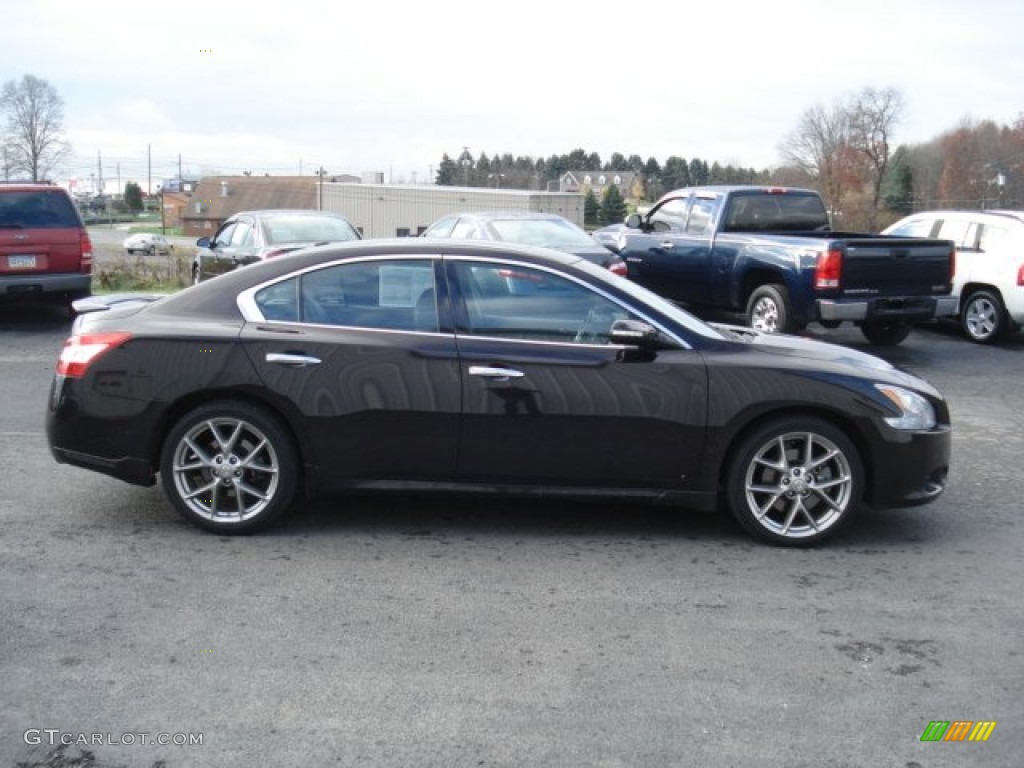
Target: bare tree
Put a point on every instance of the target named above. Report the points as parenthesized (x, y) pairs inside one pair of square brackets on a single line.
[(34, 136), (873, 114), (817, 147)]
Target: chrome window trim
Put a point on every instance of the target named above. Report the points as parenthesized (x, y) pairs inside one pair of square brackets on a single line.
[(246, 300)]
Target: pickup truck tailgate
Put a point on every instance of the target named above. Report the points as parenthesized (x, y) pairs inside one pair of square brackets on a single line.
[(910, 267)]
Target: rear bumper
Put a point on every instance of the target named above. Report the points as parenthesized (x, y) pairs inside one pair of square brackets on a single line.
[(894, 308), (28, 285)]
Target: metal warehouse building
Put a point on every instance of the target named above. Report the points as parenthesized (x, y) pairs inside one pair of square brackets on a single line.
[(404, 210)]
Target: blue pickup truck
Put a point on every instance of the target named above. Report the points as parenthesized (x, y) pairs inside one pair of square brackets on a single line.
[(770, 253)]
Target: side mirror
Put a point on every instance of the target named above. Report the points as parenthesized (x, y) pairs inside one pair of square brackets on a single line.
[(633, 221), (203, 242), (634, 333)]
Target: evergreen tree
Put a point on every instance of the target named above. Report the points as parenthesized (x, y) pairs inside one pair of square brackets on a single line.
[(591, 209), (898, 187), (613, 207), (447, 172), (133, 196)]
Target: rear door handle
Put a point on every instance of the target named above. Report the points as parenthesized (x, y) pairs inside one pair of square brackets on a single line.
[(498, 374), (292, 360)]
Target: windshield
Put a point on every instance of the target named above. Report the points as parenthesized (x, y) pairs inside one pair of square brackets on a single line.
[(550, 233), (308, 229)]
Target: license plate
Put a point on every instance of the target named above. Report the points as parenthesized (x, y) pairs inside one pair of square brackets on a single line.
[(21, 262)]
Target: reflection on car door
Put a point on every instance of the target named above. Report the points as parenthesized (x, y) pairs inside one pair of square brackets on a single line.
[(357, 353), (546, 398)]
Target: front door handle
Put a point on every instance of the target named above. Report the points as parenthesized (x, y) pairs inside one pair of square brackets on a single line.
[(498, 374), (292, 360)]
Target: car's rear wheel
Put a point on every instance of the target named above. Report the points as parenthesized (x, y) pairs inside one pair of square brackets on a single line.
[(229, 467), (152, 250), (983, 317), (795, 482), (886, 333), (196, 279)]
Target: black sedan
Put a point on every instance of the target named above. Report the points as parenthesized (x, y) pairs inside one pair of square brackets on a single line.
[(429, 365), (251, 236)]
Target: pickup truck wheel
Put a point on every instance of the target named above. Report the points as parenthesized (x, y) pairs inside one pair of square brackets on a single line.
[(768, 310), (983, 317), (886, 333), (795, 482)]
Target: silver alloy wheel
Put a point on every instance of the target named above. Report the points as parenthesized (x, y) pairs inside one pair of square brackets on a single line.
[(225, 470), (798, 484), (764, 316), (981, 317)]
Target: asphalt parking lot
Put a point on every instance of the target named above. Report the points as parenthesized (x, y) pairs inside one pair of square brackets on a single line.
[(402, 631)]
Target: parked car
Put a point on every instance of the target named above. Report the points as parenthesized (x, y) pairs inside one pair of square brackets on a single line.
[(989, 277), (547, 230), (150, 244), (252, 236), (45, 250), (439, 364)]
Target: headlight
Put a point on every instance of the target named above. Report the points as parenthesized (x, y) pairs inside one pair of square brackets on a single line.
[(916, 412)]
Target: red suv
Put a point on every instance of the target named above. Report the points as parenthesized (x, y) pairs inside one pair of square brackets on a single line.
[(45, 251)]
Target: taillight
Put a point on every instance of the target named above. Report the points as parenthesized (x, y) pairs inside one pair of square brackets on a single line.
[(829, 270), (86, 263), (952, 265), (82, 351), (618, 268), (1020, 275)]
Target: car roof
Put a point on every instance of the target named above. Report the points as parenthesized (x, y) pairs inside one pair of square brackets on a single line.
[(267, 212), (961, 213), (526, 215)]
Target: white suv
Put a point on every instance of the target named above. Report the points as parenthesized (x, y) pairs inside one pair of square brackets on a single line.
[(989, 279)]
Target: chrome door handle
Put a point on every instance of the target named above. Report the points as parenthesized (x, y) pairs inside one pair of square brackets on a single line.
[(292, 360), (498, 374), (667, 244)]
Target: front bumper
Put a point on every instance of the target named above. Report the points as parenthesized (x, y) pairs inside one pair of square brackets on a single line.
[(910, 468)]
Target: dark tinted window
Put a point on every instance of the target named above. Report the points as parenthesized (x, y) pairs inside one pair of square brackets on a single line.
[(391, 295), (303, 228), (768, 212), (37, 209), (524, 303)]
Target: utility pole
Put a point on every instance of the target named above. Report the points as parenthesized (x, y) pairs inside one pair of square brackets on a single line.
[(320, 191), (149, 170)]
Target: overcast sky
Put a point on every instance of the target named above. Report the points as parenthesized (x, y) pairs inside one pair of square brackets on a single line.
[(290, 85)]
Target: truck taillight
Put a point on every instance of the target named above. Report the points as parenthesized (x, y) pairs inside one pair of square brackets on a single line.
[(86, 263), (829, 270), (952, 265), (82, 351), (618, 268)]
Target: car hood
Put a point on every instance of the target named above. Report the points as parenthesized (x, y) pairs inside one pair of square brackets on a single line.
[(836, 358)]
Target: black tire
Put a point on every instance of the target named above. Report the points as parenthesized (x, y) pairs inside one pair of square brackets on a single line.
[(886, 333), (196, 279), (239, 457), (821, 487), (983, 317), (768, 310), (152, 250)]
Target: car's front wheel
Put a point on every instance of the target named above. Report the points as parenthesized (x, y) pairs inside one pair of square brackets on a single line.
[(229, 467), (983, 317), (196, 278), (795, 482)]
